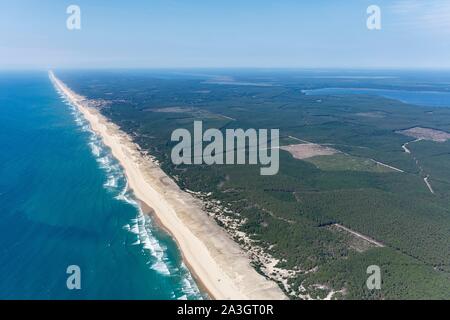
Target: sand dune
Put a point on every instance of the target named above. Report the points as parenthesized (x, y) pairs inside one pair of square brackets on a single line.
[(216, 261)]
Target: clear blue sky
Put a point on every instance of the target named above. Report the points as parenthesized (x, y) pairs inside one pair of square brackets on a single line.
[(224, 33)]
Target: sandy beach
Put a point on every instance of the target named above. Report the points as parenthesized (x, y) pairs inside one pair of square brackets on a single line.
[(219, 265)]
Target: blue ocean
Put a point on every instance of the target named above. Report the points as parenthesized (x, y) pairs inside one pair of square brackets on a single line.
[(64, 202)]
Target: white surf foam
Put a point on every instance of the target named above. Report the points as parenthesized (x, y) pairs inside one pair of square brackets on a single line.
[(189, 287), (140, 226)]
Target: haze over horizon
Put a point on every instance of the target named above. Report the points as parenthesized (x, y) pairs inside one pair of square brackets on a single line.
[(232, 34)]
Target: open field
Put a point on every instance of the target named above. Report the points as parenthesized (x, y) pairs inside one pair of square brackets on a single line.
[(308, 150), (426, 134), (345, 162)]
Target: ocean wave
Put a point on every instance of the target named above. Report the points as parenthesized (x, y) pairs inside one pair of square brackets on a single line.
[(140, 226), (189, 287), (125, 196), (94, 148), (111, 183)]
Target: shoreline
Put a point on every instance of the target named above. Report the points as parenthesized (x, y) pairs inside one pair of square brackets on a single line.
[(147, 210), (217, 263), (198, 281)]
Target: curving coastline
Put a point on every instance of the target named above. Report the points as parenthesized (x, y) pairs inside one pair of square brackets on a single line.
[(215, 260)]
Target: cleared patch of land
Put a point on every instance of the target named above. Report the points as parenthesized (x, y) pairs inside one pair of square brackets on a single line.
[(173, 109), (308, 150), (342, 162), (227, 80), (373, 114), (193, 111), (426, 134)]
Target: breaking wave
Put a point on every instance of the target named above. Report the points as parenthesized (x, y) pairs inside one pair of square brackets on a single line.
[(141, 226)]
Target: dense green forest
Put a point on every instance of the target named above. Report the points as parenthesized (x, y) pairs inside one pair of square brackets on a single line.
[(290, 214)]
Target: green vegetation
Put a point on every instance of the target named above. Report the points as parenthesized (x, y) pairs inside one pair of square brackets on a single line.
[(288, 213)]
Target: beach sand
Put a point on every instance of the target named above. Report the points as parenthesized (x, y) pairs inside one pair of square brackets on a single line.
[(215, 260)]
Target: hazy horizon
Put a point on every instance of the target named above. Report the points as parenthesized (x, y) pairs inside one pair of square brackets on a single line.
[(263, 34)]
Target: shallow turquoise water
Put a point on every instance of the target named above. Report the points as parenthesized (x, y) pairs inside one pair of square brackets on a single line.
[(63, 201)]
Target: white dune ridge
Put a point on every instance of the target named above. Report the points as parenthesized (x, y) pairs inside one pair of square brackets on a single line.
[(215, 259), (140, 226)]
